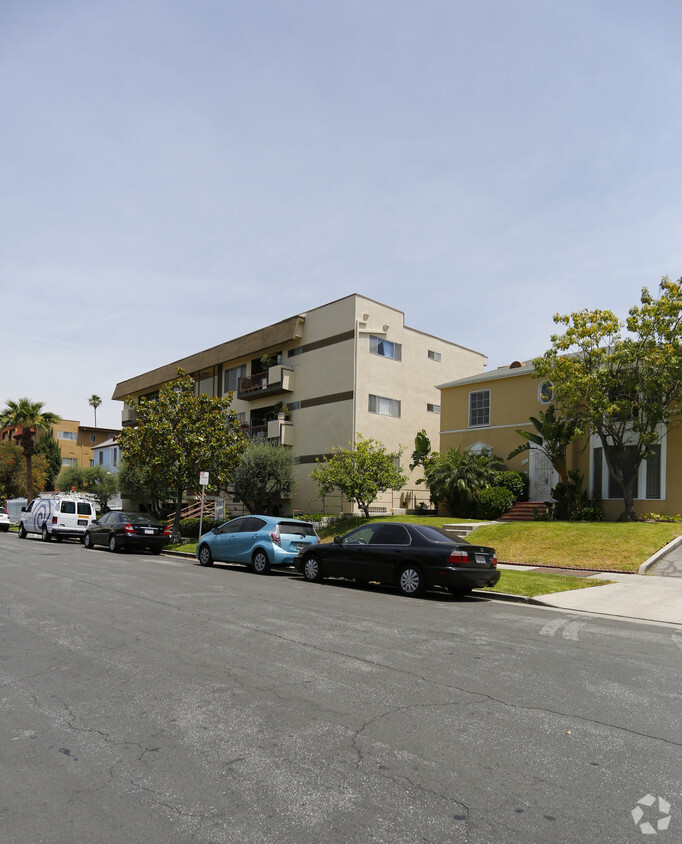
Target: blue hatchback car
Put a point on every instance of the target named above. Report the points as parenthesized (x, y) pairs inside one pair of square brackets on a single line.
[(258, 541)]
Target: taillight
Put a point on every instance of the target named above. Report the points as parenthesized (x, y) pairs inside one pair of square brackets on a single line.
[(129, 529), (458, 558), (166, 532), (493, 562), (54, 520), (274, 535)]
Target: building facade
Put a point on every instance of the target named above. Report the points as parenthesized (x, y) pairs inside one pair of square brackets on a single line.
[(483, 412), (76, 442), (346, 368)]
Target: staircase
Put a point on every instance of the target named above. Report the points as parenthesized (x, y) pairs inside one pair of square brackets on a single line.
[(524, 511)]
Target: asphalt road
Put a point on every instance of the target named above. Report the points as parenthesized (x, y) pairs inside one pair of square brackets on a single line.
[(146, 699)]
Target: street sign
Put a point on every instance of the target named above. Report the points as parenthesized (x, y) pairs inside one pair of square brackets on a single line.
[(203, 478)]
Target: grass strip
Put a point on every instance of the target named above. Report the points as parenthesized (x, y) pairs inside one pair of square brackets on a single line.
[(532, 583)]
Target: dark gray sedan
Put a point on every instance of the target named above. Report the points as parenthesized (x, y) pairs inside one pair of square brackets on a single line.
[(412, 557), (120, 530)]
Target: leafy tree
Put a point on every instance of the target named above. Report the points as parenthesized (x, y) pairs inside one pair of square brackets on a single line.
[(180, 434), (13, 471), (31, 418), (554, 435), (95, 401), (360, 472), (142, 483), (95, 480), (422, 453), (624, 389), (457, 477), (264, 477), (48, 446)]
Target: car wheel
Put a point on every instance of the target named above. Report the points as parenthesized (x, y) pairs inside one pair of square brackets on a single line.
[(113, 544), (311, 569), (22, 531), (260, 562), (59, 538), (205, 557), (87, 541), (45, 535), (411, 582)]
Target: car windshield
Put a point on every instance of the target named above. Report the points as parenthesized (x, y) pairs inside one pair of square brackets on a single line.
[(437, 535), (298, 528), (140, 519)]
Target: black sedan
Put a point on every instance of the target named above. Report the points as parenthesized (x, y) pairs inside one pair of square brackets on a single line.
[(412, 557), (120, 530)]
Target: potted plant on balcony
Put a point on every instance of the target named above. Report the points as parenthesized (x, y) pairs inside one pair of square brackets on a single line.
[(282, 410)]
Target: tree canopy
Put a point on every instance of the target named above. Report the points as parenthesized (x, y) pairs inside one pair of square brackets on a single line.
[(457, 477), (95, 480), (13, 472), (180, 434), (622, 387), (31, 418), (360, 473), (264, 477)]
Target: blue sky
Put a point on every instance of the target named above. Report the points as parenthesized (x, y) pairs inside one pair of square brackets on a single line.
[(174, 174)]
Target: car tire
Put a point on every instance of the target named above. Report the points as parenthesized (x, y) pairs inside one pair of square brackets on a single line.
[(113, 544), (45, 534), (411, 582), (22, 531), (260, 563), (87, 541), (312, 571), (59, 538), (205, 556)]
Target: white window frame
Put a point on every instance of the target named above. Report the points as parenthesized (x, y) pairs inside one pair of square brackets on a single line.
[(380, 346), (640, 492), (432, 355), (433, 408), (485, 424), (384, 406)]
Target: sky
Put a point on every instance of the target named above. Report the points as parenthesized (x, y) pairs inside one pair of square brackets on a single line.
[(175, 174)]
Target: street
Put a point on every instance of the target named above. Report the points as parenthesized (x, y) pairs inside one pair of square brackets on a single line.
[(149, 699)]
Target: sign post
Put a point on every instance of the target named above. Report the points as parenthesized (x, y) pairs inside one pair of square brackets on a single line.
[(203, 480)]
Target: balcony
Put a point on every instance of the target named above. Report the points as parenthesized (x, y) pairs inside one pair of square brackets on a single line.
[(278, 379), (281, 431)]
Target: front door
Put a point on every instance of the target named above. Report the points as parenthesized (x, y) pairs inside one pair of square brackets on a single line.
[(543, 477)]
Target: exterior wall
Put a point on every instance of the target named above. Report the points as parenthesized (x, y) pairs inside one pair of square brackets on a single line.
[(76, 441), (332, 375)]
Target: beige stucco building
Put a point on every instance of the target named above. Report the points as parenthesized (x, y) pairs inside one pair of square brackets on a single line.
[(484, 411), (349, 367), (76, 441)]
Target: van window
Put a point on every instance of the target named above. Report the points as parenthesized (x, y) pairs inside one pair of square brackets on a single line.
[(68, 506), (84, 508)]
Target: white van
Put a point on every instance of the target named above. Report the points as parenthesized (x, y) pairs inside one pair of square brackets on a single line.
[(57, 514)]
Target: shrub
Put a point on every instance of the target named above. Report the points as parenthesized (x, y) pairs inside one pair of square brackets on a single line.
[(591, 513), (190, 527), (515, 482), (493, 501)]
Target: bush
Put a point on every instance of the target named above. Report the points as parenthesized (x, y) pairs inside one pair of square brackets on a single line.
[(591, 513), (515, 482), (493, 501), (190, 527)]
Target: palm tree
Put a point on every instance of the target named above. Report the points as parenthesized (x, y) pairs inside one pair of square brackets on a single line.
[(554, 435), (31, 418), (95, 401)]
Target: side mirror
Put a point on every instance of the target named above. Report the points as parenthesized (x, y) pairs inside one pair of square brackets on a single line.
[(337, 540), (216, 530), (23, 509)]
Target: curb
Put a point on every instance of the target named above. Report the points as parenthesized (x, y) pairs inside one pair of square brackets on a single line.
[(647, 564)]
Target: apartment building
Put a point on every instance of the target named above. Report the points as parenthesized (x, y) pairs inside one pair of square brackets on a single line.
[(76, 441), (317, 379)]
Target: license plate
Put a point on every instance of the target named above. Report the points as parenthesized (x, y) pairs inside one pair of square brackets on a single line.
[(148, 530), (481, 560), (82, 522), (299, 545)]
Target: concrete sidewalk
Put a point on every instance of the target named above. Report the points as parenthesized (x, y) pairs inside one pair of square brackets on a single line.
[(644, 597)]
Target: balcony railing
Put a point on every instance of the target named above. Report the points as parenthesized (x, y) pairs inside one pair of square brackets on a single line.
[(278, 379)]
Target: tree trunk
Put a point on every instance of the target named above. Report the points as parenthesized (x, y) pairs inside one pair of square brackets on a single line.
[(178, 508), (364, 507)]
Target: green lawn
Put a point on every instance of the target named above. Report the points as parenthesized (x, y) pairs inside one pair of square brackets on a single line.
[(532, 583), (606, 546)]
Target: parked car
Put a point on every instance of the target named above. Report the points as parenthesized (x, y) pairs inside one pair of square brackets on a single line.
[(412, 557), (258, 541), (58, 514), (4, 519), (120, 530)]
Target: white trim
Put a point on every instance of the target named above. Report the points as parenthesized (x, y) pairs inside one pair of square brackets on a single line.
[(640, 492), (488, 428)]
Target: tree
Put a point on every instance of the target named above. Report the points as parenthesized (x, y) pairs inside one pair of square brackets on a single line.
[(623, 389), (142, 483), (31, 418), (457, 477), (264, 477), (95, 401), (554, 435), (48, 446), (422, 453), (94, 480), (180, 434), (360, 473), (13, 472)]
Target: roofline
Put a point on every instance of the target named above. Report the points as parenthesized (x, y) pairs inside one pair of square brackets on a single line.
[(526, 368)]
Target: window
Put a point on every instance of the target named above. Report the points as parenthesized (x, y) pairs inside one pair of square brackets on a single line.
[(649, 481), (545, 392), (231, 378), (479, 408), (293, 352), (114, 456), (66, 435), (93, 438), (100, 457), (92, 462), (69, 507), (84, 508), (384, 348), (69, 461), (434, 355), (433, 408), (392, 534), (384, 406)]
